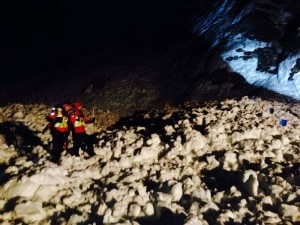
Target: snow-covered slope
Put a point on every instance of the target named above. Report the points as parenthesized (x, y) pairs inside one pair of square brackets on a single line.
[(231, 162)]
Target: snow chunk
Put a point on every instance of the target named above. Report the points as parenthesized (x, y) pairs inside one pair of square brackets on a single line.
[(30, 212), (290, 212)]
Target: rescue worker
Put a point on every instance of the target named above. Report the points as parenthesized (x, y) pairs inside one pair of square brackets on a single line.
[(78, 123), (68, 108), (59, 129)]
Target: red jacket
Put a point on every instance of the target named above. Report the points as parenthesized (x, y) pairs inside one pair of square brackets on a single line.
[(78, 121), (57, 120)]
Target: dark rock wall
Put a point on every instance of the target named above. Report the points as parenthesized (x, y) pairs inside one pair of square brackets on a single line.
[(134, 55)]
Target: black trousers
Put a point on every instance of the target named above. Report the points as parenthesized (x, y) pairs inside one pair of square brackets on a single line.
[(83, 142), (59, 140)]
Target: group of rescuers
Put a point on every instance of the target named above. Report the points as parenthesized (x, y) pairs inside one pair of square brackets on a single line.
[(64, 119)]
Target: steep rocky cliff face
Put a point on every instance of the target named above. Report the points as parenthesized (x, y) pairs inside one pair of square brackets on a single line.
[(127, 57), (258, 40)]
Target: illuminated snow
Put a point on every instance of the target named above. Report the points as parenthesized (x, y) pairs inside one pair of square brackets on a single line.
[(247, 67), (244, 164)]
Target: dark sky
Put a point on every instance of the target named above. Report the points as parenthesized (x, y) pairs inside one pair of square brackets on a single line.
[(37, 35)]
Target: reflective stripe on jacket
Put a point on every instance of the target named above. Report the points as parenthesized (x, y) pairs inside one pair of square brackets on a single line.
[(61, 124), (78, 123), (58, 120)]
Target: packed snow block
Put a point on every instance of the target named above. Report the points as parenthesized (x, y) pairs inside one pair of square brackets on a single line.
[(167, 174), (148, 209), (108, 218), (176, 192), (271, 217), (254, 133), (164, 197), (193, 221), (149, 152), (91, 172), (72, 200), (290, 212), (154, 140), (169, 130), (278, 156), (22, 188), (125, 162), (230, 161), (141, 199), (201, 193), (195, 143), (134, 210), (236, 137), (19, 115), (250, 182), (120, 208), (6, 153), (146, 154), (51, 176), (117, 150), (30, 212), (210, 206), (45, 192), (130, 178), (102, 208), (111, 166), (113, 195), (78, 218)]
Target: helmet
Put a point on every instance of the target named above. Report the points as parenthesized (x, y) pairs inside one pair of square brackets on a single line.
[(57, 110), (78, 106), (67, 106)]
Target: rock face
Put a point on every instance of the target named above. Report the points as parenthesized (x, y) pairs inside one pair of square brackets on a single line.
[(260, 40), (143, 59)]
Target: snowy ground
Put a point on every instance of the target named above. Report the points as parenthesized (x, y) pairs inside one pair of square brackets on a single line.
[(226, 163)]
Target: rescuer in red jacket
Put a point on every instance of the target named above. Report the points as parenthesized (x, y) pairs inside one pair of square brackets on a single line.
[(59, 129), (81, 139)]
